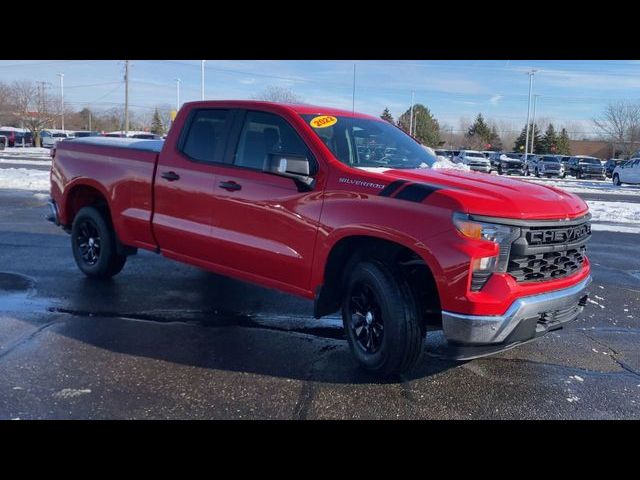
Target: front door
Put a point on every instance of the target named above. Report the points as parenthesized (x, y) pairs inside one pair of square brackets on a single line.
[(264, 224)]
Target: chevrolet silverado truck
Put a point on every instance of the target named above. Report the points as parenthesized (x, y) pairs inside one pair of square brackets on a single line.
[(282, 196)]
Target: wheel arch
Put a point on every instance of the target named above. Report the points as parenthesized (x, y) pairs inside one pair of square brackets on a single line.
[(419, 266)]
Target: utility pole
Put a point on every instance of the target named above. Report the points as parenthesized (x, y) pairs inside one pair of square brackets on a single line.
[(353, 96), (61, 75), (526, 143), (202, 80), (411, 114), (89, 120), (177, 94), (533, 123), (126, 98)]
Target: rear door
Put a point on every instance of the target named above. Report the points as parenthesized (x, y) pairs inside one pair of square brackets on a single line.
[(184, 186), (265, 225)]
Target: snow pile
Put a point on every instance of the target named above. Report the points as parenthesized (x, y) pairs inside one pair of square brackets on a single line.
[(617, 212), (444, 162), (24, 179)]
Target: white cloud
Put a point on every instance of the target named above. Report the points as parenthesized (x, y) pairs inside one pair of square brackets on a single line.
[(495, 99)]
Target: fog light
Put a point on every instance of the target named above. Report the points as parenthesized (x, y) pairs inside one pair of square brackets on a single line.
[(481, 270)]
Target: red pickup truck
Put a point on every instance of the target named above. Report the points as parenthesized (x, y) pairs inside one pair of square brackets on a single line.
[(337, 207)]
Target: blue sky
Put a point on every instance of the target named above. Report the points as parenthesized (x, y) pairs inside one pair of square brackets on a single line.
[(569, 91)]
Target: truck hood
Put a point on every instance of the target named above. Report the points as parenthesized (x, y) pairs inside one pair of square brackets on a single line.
[(491, 195)]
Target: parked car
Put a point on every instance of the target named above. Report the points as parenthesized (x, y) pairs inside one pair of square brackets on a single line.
[(146, 136), (507, 163), (270, 193), (3, 142), (530, 161), (610, 166), (583, 166), (548, 166), (475, 160), (17, 137), (628, 172), (85, 133), (49, 139)]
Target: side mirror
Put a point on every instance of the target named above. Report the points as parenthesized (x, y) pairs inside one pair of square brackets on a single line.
[(296, 167)]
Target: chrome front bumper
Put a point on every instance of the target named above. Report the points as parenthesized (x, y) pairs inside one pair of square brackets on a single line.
[(526, 318)]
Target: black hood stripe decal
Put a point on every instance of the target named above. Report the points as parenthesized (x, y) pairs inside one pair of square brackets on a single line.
[(391, 188), (416, 192)]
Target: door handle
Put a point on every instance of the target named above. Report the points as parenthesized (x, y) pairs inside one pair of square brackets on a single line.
[(230, 185), (171, 176)]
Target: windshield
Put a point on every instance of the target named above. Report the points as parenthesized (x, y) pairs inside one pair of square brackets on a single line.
[(551, 160), (594, 161), (59, 135), (474, 155), (513, 156), (363, 142)]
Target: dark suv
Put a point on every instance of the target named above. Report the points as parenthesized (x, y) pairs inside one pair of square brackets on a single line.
[(582, 166), (507, 163), (611, 165)]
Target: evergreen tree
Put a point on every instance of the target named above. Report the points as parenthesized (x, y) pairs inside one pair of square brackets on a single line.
[(426, 127), (495, 141), (549, 141), (156, 123), (386, 115), (562, 146), (479, 132), (521, 140)]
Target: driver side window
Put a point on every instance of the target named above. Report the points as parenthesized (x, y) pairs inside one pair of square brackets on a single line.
[(264, 134)]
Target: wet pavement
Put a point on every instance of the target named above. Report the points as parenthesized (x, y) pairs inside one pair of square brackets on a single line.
[(165, 340)]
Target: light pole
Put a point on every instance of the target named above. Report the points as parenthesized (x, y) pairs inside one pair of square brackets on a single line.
[(526, 143), (533, 123), (353, 97), (202, 80), (61, 75), (126, 98), (177, 94)]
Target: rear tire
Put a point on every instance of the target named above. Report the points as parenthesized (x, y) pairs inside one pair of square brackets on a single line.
[(578, 175), (93, 242), (381, 319)]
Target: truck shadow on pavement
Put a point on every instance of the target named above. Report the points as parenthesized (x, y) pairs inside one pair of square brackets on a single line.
[(199, 319)]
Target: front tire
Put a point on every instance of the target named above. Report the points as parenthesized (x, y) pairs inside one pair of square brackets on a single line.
[(93, 242), (616, 180), (381, 320)]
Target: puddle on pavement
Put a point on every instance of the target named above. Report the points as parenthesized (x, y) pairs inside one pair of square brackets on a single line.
[(17, 294)]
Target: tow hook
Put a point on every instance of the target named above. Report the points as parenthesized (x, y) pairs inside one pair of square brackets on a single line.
[(583, 300)]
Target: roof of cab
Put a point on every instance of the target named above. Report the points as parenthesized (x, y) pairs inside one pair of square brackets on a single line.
[(297, 108)]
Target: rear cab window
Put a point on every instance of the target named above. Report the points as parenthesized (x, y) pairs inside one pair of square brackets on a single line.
[(204, 138)]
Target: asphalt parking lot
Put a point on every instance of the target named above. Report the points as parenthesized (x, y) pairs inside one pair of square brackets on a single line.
[(164, 340)]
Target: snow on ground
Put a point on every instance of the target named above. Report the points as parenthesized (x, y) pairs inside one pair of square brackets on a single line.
[(585, 186), (25, 163), (25, 152), (24, 179), (618, 212)]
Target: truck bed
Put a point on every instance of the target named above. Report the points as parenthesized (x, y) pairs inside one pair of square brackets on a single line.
[(124, 168)]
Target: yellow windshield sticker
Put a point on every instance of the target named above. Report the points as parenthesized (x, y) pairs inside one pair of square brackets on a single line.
[(323, 121)]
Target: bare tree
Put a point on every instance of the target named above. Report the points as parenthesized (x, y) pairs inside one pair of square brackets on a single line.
[(33, 108), (278, 94), (620, 122)]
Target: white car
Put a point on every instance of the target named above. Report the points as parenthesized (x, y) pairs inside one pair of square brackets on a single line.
[(628, 172), (49, 139), (475, 160)]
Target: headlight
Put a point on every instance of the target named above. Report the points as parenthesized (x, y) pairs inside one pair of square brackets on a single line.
[(502, 235)]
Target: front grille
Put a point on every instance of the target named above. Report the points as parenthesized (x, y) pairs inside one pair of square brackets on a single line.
[(546, 266)]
